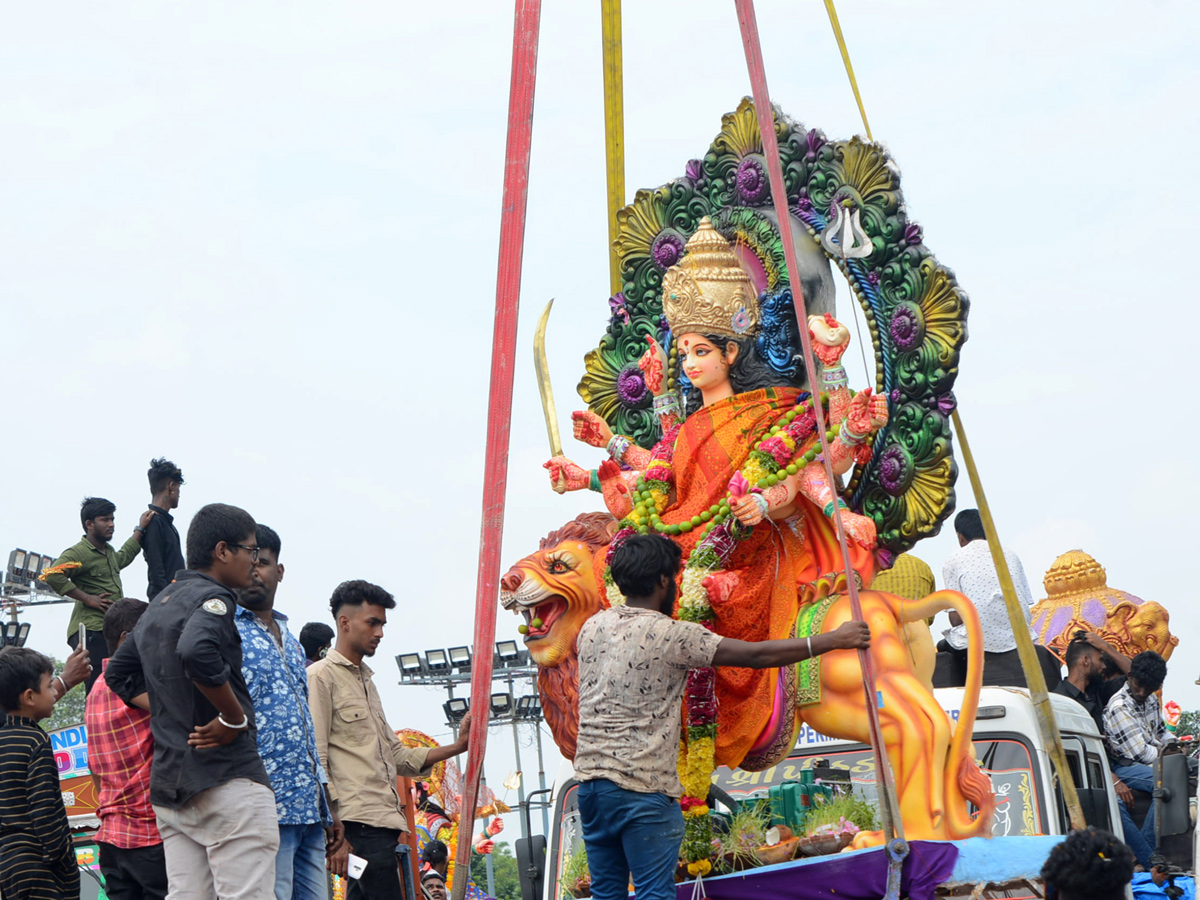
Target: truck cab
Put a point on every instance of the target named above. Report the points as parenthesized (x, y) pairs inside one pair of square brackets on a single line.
[(1007, 744)]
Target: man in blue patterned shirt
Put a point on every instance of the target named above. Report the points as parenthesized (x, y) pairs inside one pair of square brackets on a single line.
[(273, 666)]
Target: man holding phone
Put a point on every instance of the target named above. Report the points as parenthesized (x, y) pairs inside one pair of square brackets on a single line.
[(90, 574), (359, 750)]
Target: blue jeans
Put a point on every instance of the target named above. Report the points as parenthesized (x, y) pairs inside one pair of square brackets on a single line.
[(300, 864), (1138, 777), (630, 832)]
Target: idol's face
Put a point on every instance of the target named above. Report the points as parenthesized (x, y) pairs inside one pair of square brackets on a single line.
[(705, 364)]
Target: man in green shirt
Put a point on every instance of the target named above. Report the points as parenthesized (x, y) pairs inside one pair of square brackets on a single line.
[(90, 574)]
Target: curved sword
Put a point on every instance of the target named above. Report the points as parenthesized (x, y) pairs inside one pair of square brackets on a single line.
[(543, 379)]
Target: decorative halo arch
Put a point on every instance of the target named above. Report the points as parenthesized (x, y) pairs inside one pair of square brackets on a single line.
[(913, 307)]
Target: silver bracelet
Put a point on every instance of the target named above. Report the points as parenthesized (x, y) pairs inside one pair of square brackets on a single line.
[(834, 377), (808, 639), (667, 404), (617, 445), (59, 679), (849, 437), (245, 722)]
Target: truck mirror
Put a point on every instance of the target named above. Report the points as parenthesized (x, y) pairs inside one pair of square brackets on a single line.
[(1171, 791), (531, 866)]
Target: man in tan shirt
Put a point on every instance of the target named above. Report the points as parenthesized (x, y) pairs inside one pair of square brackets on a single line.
[(358, 748), (633, 665)]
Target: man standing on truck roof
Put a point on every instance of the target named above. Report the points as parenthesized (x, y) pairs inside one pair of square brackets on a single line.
[(970, 571), (1133, 724), (1087, 657), (90, 574), (633, 665)]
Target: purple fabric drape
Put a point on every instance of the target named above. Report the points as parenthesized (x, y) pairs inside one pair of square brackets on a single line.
[(861, 875)]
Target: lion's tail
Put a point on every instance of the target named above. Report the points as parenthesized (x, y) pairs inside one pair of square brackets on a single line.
[(965, 783)]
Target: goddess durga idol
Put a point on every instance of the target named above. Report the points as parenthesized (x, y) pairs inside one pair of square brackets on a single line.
[(708, 466)]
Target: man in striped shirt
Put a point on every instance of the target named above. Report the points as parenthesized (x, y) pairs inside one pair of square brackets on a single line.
[(120, 750)]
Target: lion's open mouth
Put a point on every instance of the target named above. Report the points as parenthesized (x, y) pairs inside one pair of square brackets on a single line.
[(548, 611)]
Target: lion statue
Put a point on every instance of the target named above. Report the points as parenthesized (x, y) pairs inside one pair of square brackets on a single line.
[(557, 589)]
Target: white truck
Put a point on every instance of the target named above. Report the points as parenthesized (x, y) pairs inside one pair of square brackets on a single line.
[(1029, 811)]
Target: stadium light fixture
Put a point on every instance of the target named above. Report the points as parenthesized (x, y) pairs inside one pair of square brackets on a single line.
[(16, 634), (529, 706), (460, 658), (409, 663), (455, 708)]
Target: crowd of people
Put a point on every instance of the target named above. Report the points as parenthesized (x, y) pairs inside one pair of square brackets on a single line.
[(235, 759), (231, 758)]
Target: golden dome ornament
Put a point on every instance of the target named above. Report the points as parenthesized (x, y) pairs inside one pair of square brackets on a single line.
[(1078, 597), (709, 292)]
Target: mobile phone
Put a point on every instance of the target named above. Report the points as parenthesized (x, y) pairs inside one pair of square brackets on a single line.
[(83, 636)]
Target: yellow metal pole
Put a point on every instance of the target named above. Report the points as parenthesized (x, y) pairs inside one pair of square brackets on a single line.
[(841, 42), (614, 128), (1029, 661)]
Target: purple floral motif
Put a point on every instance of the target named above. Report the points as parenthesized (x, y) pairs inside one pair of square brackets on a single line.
[(752, 181), (694, 169), (616, 304), (895, 470), (631, 386), (895, 395), (907, 329), (947, 403), (885, 558), (873, 278), (666, 249), (912, 234), (803, 205), (815, 141)]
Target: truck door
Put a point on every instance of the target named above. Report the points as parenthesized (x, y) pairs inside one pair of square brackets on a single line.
[(1091, 783)]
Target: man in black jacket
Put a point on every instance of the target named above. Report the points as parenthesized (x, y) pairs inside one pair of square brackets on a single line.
[(160, 542), (209, 788)]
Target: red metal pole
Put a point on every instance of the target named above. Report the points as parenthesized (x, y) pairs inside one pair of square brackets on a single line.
[(504, 346)]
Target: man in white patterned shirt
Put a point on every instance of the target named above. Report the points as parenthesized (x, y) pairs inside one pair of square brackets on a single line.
[(633, 665), (970, 571)]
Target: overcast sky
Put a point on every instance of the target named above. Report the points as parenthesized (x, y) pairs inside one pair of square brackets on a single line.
[(261, 239)]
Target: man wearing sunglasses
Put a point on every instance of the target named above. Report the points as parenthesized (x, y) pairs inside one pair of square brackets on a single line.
[(208, 786)]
